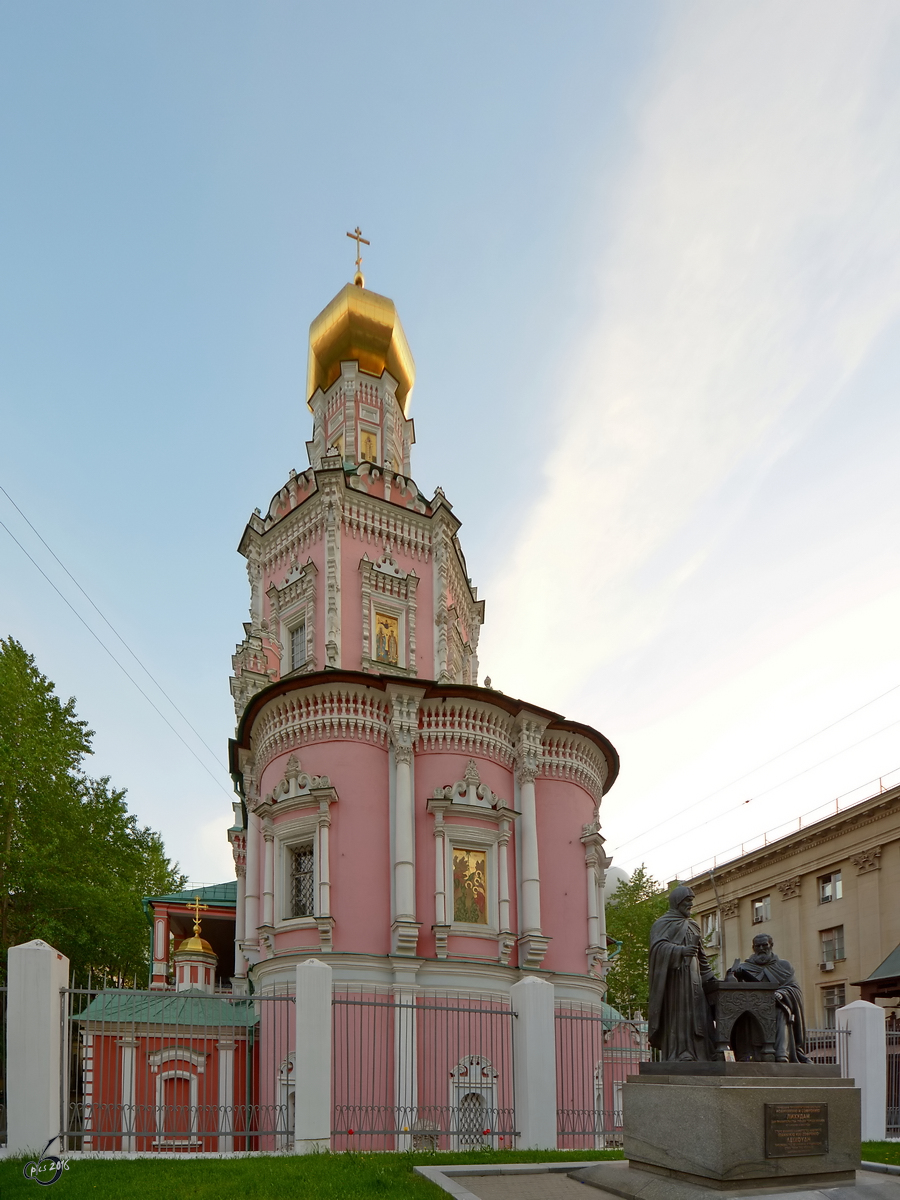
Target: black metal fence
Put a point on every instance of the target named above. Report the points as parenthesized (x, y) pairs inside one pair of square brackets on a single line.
[(596, 1051), (893, 1083), (426, 1071), (176, 1071)]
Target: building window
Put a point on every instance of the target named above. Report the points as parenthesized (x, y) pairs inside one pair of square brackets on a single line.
[(830, 887), (833, 998), (832, 944), (709, 927), (470, 901), (303, 888), (762, 909), (298, 646)]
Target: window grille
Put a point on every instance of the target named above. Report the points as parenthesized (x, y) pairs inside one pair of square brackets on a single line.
[(303, 881), (833, 998), (832, 944), (830, 887), (762, 909), (298, 646)]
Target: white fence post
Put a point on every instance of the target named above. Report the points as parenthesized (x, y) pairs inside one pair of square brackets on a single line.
[(35, 974), (866, 1062), (534, 1062), (312, 1070)]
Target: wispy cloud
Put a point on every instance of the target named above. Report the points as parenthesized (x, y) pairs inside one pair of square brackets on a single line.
[(752, 262)]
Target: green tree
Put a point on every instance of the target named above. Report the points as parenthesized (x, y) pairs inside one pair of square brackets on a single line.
[(74, 863), (630, 911)]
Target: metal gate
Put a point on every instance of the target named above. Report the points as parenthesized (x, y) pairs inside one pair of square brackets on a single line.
[(176, 1071), (428, 1071), (596, 1051)]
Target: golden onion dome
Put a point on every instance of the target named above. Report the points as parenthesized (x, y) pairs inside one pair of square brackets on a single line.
[(361, 326), (195, 945)]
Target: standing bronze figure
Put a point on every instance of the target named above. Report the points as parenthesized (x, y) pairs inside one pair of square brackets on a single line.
[(680, 1019)]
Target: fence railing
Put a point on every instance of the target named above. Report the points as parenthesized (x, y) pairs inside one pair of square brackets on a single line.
[(595, 1054), (176, 1071), (429, 1071), (893, 1082), (828, 1047)]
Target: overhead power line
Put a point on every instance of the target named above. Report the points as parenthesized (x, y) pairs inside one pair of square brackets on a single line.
[(676, 816), (124, 671), (107, 621), (775, 786)]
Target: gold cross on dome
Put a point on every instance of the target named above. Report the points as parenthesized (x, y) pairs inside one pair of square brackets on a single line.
[(358, 237), (196, 906)]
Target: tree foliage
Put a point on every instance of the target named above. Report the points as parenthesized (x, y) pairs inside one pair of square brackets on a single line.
[(630, 911), (74, 863)]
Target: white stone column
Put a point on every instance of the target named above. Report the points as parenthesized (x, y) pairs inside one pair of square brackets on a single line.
[(440, 886), (503, 876), (251, 906), (240, 915), (404, 730), (866, 1063), (528, 753), (324, 861), (534, 1063), (596, 864), (226, 1095), (36, 973), (268, 873), (312, 1089)]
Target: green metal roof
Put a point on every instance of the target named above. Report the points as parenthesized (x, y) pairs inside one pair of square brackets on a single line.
[(889, 969), (223, 894), (188, 1008)]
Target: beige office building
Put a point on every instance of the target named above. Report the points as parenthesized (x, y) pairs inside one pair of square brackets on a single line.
[(829, 895)]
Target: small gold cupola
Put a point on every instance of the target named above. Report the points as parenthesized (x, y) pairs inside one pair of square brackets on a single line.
[(361, 326), (195, 959)]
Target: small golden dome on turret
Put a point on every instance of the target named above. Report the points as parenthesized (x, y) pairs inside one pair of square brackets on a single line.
[(361, 326), (195, 945)]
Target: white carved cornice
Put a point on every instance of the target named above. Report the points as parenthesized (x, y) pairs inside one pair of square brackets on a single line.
[(320, 714), (469, 797), (404, 720), (466, 727), (571, 756)]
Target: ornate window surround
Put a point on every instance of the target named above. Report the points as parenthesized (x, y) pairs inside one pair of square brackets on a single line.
[(291, 605), (388, 589)]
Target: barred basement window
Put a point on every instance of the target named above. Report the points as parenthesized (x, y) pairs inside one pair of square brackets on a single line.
[(298, 646), (303, 881)]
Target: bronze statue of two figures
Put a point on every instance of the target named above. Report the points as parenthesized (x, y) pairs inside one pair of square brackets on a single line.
[(756, 1011)]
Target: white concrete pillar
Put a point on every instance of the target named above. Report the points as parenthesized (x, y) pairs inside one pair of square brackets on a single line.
[(251, 905), (324, 863), (405, 1065), (269, 875), (36, 973), (503, 877), (312, 1090), (226, 1095), (866, 1063), (440, 887), (534, 1062), (601, 909), (128, 1045)]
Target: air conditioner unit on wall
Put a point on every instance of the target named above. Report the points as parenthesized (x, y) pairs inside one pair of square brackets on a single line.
[(826, 966)]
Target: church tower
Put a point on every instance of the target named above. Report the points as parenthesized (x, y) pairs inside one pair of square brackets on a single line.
[(395, 815)]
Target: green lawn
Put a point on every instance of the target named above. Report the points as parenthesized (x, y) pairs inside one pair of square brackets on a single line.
[(323, 1176), (886, 1152)]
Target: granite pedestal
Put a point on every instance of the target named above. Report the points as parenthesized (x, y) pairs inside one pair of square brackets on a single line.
[(733, 1129)]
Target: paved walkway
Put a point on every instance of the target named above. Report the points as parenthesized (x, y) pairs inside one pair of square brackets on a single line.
[(559, 1187)]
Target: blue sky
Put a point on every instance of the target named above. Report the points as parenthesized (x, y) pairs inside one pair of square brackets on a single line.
[(647, 259)]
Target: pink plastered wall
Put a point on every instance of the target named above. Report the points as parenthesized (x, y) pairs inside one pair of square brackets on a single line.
[(360, 852), (563, 807)]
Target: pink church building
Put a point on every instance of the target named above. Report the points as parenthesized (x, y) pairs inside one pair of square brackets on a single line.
[(412, 825)]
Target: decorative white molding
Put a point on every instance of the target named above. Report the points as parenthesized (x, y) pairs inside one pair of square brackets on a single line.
[(571, 756), (321, 714), (790, 888), (386, 587), (867, 860), (466, 727)]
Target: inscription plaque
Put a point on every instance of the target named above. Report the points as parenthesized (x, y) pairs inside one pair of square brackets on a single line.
[(793, 1130)]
